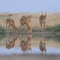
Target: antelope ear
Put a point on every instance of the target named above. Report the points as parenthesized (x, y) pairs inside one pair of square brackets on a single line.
[(9, 14), (29, 16)]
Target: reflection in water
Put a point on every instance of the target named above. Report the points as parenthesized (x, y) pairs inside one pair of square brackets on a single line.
[(27, 42), (10, 44), (42, 46)]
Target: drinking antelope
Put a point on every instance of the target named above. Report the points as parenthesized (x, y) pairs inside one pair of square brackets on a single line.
[(24, 21), (10, 22)]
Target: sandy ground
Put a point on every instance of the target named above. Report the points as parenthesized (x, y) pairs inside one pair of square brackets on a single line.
[(30, 57)]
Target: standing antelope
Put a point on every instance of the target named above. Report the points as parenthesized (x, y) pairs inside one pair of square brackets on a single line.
[(42, 46), (42, 20), (10, 22), (24, 21), (10, 44)]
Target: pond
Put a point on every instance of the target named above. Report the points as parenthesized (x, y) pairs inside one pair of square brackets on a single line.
[(52, 46)]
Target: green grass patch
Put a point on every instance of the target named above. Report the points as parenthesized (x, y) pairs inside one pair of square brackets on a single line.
[(55, 28), (2, 30), (1, 37)]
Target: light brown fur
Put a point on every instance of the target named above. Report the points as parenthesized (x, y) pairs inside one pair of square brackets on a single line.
[(25, 45), (42, 46), (42, 20), (25, 21), (10, 44), (11, 23)]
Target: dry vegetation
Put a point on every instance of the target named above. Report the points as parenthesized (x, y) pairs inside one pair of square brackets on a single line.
[(52, 18)]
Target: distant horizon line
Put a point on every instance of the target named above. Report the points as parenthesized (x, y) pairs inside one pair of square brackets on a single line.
[(27, 12)]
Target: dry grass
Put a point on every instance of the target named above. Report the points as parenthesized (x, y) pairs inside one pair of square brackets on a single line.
[(52, 19)]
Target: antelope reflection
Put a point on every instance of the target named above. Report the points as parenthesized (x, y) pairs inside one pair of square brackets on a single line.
[(25, 44), (42, 46), (10, 44)]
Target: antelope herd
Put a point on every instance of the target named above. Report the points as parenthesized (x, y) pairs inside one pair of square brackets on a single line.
[(25, 22), (25, 44)]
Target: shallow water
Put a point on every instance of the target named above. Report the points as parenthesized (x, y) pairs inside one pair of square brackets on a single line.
[(18, 51), (52, 46)]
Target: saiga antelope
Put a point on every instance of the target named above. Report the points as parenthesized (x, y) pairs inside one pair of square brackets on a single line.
[(42, 20), (24, 21), (10, 22)]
